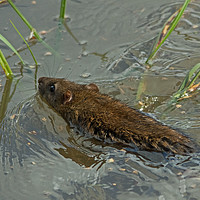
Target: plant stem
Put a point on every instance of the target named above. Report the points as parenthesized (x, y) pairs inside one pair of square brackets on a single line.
[(25, 43), (5, 66), (62, 9), (31, 28), (173, 26), (25, 20), (11, 47)]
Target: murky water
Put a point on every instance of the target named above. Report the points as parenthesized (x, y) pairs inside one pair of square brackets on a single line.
[(108, 43)]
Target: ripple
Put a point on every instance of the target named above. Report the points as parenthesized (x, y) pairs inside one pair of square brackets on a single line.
[(179, 52)]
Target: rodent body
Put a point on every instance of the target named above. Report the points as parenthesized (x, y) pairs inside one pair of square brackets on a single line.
[(99, 114)]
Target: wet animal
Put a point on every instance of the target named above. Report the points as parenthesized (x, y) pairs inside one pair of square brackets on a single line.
[(109, 119)]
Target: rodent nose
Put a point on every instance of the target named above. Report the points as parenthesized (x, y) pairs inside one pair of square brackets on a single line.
[(41, 83), (41, 79)]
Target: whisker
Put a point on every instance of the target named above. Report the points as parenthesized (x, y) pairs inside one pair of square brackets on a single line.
[(59, 66), (68, 74), (43, 68), (26, 90)]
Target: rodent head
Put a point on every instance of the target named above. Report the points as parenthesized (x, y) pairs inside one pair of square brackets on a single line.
[(58, 91)]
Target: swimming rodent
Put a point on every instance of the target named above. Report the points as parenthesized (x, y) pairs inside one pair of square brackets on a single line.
[(100, 115)]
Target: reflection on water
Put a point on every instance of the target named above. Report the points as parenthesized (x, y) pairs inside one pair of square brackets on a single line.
[(58, 162)]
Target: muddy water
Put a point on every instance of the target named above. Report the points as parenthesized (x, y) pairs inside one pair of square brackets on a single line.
[(105, 42)]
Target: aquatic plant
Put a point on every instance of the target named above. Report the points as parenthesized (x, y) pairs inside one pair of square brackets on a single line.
[(32, 29), (25, 42), (34, 33), (193, 74), (62, 9), (5, 66), (167, 29), (186, 88), (188, 82), (25, 20), (3, 39)]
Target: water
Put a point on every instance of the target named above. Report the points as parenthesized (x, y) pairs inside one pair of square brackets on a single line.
[(42, 157)]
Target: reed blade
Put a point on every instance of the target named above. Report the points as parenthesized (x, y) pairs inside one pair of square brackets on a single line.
[(167, 29), (5, 66)]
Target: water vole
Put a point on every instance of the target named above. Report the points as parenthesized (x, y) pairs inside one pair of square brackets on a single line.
[(99, 114)]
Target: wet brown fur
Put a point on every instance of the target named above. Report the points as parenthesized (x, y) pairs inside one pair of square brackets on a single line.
[(99, 114)]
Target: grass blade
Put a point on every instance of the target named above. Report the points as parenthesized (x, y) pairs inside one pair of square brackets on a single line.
[(25, 42), (5, 99), (188, 81), (5, 66), (62, 9), (25, 20), (3, 39), (32, 29), (185, 87), (174, 22)]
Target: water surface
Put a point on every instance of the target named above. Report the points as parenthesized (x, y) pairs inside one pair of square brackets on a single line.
[(42, 157)]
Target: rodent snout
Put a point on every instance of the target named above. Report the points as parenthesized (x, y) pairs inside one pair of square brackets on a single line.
[(41, 84), (41, 80)]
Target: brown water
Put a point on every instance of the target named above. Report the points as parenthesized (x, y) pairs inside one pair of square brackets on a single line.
[(42, 157)]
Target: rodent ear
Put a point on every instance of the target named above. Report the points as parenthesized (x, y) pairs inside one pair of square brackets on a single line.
[(93, 87), (67, 97)]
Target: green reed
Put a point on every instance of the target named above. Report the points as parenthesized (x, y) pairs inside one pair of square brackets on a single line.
[(3, 39), (25, 20), (187, 83), (164, 34), (32, 29), (4, 64), (62, 9), (25, 42)]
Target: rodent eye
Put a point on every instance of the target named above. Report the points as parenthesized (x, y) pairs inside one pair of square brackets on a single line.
[(52, 88)]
